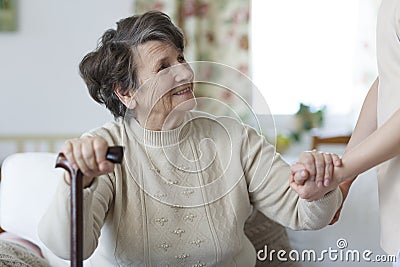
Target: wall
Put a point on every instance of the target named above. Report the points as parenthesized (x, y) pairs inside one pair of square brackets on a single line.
[(40, 88)]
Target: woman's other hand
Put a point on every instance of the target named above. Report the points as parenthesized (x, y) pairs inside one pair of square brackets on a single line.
[(309, 190), (316, 166), (313, 175), (87, 154), (345, 188)]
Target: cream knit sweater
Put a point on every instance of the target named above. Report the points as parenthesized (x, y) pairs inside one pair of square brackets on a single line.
[(181, 197)]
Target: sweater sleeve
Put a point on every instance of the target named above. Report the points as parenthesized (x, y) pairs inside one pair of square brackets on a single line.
[(54, 227), (267, 176)]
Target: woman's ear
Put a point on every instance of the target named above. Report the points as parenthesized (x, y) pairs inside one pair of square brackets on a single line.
[(126, 98)]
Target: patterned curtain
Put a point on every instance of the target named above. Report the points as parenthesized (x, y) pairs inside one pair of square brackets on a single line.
[(215, 31)]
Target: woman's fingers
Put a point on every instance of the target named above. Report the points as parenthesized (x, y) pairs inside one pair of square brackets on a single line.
[(88, 154), (100, 147), (328, 170), (299, 173), (337, 161), (308, 160), (67, 150), (79, 159), (319, 167), (333, 161)]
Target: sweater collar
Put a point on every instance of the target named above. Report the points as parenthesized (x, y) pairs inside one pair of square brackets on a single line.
[(157, 138)]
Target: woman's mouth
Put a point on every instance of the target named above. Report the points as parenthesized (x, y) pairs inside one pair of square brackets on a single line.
[(183, 91)]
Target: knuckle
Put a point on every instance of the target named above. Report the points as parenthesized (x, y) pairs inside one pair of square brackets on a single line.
[(78, 154), (99, 143), (306, 154), (315, 152), (87, 138), (67, 146), (87, 151), (309, 161), (99, 140)]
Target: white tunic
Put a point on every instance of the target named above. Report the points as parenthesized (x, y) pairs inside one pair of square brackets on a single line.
[(388, 55)]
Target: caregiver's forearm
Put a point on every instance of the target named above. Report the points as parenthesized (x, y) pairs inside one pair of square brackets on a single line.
[(367, 120), (381, 145)]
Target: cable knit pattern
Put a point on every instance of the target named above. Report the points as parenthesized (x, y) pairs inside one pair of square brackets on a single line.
[(13, 254), (181, 197)]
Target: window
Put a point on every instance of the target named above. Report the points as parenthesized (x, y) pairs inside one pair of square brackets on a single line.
[(318, 52)]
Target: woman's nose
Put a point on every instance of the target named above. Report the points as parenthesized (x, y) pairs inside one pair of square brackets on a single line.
[(183, 73)]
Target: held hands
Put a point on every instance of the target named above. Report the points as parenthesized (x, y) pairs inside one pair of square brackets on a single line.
[(89, 155), (313, 175)]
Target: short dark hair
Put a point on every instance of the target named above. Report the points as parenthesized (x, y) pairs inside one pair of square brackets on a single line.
[(112, 65)]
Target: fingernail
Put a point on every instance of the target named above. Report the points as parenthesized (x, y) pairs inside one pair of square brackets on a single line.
[(319, 184), (326, 182), (303, 174)]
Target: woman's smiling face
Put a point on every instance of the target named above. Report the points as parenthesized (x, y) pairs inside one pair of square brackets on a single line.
[(166, 82)]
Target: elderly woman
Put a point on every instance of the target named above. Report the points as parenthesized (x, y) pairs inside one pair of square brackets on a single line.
[(178, 199)]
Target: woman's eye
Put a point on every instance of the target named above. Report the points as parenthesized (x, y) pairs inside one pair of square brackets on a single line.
[(163, 67), (181, 59)]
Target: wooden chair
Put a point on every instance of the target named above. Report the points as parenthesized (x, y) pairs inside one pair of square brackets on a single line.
[(324, 138)]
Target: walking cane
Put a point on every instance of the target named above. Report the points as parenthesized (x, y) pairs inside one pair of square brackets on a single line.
[(114, 154)]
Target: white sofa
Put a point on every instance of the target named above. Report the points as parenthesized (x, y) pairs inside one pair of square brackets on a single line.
[(29, 181)]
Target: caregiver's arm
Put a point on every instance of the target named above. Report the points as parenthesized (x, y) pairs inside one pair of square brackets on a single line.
[(366, 125), (381, 145)]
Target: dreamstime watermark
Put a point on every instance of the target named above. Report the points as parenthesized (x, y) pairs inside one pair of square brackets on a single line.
[(338, 253)]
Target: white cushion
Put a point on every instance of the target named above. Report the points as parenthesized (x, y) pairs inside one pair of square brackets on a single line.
[(28, 183)]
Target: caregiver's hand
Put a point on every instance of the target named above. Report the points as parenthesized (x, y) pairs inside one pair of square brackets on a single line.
[(311, 176), (89, 155), (316, 166)]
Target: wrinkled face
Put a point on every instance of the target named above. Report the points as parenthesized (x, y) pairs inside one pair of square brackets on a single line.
[(166, 81)]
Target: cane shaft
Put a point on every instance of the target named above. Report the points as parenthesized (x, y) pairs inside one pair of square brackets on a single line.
[(76, 220), (114, 154)]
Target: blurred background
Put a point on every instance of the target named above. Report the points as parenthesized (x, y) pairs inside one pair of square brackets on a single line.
[(312, 61)]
